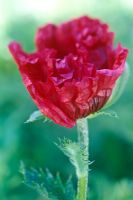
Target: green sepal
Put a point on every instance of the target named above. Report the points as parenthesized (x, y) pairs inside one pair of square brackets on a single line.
[(109, 113), (37, 115)]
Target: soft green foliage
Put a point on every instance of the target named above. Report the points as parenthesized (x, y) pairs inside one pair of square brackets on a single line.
[(122, 190), (48, 186), (52, 188)]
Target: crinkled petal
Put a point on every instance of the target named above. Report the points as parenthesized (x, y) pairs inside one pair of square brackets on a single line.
[(26, 65), (108, 77), (33, 65), (46, 37)]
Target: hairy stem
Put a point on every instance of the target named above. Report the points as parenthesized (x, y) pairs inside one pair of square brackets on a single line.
[(83, 140)]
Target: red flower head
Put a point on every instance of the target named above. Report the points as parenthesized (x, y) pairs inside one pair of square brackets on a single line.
[(74, 69)]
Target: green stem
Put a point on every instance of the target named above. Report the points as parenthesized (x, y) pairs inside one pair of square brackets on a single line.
[(83, 140)]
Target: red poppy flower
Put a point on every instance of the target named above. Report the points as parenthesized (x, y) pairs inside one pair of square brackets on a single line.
[(74, 69)]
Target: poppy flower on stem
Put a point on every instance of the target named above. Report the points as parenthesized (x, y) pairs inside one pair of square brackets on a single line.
[(70, 76), (74, 69)]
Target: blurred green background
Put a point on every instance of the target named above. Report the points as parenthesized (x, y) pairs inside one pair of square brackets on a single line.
[(111, 140)]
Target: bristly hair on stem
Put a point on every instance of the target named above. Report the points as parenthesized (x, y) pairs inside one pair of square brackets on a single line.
[(76, 155), (83, 141)]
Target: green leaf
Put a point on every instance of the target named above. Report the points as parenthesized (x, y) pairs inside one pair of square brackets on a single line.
[(76, 155), (34, 179), (48, 186), (37, 115), (69, 190), (58, 188)]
